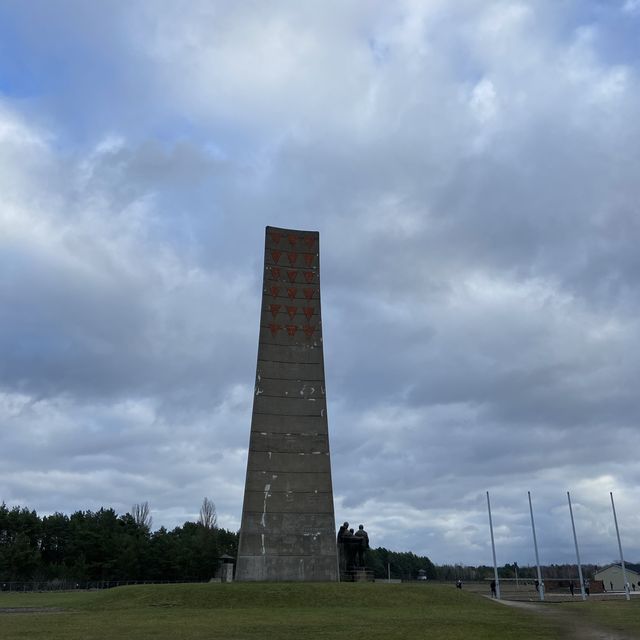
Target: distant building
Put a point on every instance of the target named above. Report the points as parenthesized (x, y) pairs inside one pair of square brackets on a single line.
[(612, 574)]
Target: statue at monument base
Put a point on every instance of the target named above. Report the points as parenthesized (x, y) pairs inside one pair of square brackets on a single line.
[(352, 547)]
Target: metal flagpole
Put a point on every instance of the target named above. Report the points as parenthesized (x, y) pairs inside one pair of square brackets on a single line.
[(493, 548), (535, 546), (624, 571), (575, 540)]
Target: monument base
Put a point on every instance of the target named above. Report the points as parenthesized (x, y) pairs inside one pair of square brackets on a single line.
[(357, 574), (286, 569)]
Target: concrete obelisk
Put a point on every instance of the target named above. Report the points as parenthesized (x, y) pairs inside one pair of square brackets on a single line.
[(288, 525)]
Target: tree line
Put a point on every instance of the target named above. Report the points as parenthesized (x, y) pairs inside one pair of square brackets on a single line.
[(104, 546), (451, 572)]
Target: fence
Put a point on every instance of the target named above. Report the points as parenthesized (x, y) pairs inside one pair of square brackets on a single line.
[(72, 585)]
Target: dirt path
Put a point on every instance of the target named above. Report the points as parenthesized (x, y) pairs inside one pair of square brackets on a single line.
[(568, 621)]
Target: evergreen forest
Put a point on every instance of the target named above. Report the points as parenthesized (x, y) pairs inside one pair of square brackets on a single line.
[(102, 546)]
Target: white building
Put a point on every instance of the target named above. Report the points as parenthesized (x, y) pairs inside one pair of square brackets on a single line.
[(613, 575)]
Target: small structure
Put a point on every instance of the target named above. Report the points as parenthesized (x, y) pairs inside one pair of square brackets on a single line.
[(226, 568), (612, 575)]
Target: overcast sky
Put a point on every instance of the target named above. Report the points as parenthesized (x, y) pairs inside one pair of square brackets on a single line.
[(473, 170)]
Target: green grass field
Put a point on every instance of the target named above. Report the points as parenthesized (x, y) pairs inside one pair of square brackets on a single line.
[(618, 616), (275, 611)]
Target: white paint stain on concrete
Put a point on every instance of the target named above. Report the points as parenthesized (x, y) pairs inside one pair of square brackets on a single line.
[(267, 488), (312, 534)]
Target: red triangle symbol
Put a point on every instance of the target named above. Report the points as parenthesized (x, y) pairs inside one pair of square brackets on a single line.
[(274, 308), (293, 238), (293, 256), (275, 291), (292, 311), (308, 311), (291, 292), (274, 328), (292, 275), (308, 276), (291, 329), (308, 330), (275, 272), (276, 236), (308, 293), (310, 241), (308, 259)]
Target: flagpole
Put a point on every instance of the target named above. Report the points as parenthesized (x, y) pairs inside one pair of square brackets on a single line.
[(624, 571), (493, 548), (575, 540), (535, 546)]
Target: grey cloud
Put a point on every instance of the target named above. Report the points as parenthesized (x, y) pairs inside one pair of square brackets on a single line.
[(472, 170)]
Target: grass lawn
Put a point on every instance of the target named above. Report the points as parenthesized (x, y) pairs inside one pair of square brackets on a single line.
[(273, 611), (616, 615)]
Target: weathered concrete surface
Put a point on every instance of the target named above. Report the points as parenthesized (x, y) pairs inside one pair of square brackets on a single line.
[(288, 525)]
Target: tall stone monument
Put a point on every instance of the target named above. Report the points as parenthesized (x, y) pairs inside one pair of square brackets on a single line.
[(288, 525)]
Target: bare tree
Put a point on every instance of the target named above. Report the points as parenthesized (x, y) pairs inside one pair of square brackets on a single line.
[(208, 517), (142, 515)]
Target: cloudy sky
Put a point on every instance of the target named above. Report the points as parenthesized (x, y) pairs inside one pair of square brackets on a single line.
[(473, 169)]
